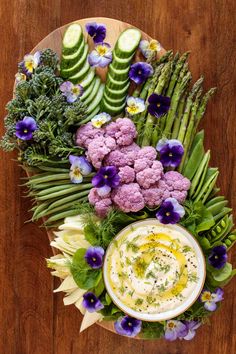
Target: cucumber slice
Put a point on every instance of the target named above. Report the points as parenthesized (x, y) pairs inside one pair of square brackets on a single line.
[(114, 84), (119, 74), (77, 67), (113, 111), (81, 74), (87, 81), (116, 102), (93, 113), (93, 92), (72, 38), (117, 93), (88, 91), (121, 63), (97, 100), (127, 42), (67, 61)]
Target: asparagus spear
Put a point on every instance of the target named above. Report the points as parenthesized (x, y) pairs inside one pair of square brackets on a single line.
[(180, 87), (176, 72), (189, 103), (164, 77), (178, 118), (141, 117), (188, 136)]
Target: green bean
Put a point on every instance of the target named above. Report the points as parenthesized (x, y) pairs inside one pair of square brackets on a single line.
[(48, 185), (54, 169), (50, 177), (60, 216), (40, 207), (199, 172), (194, 161), (50, 190), (64, 200), (66, 191)]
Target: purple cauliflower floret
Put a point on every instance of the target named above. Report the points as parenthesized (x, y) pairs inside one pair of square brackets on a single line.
[(152, 196), (102, 205), (122, 156), (128, 197), (180, 196), (99, 148), (142, 164), (150, 176), (122, 130), (130, 152), (147, 152), (175, 181), (127, 174), (87, 133)]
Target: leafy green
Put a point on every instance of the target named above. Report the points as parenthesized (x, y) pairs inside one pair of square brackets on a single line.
[(197, 218), (152, 330), (84, 276)]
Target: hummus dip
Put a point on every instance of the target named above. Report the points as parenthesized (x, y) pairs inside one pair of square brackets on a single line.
[(153, 269)]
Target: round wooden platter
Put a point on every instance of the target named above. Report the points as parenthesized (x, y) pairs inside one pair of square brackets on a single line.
[(54, 41)]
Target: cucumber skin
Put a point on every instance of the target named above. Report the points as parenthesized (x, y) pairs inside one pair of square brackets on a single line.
[(80, 76), (88, 90), (123, 54), (114, 111), (90, 82), (114, 102), (120, 63), (117, 74), (116, 93), (93, 93), (71, 72), (67, 63), (72, 50), (97, 100), (115, 85)]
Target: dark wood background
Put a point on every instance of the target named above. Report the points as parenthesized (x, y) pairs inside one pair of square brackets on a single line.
[(32, 319)]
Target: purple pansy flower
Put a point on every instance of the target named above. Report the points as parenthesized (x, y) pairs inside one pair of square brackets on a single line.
[(170, 211), (91, 302), (106, 179), (128, 326), (210, 299), (218, 257), (71, 91), (158, 105), (30, 63), (140, 71), (97, 31), (191, 327), (25, 128), (94, 257), (101, 55), (175, 329), (79, 167), (171, 152)]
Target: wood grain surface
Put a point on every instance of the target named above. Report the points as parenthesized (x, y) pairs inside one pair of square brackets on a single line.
[(32, 319)]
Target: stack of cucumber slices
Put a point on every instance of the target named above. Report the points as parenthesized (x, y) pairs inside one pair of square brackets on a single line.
[(75, 68), (111, 96), (117, 85)]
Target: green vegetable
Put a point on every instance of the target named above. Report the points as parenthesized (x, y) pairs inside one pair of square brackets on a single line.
[(194, 160)]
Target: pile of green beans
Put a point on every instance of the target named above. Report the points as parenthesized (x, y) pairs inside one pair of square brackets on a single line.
[(56, 197)]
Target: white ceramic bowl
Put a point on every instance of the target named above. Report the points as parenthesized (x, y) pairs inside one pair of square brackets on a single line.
[(188, 302)]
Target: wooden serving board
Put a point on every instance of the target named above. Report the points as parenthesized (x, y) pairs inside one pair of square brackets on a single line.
[(54, 41)]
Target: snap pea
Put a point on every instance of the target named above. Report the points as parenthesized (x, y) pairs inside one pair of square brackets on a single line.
[(230, 240), (221, 229), (65, 191), (194, 160), (199, 172), (222, 213), (217, 207), (199, 136), (215, 200), (207, 188), (213, 193)]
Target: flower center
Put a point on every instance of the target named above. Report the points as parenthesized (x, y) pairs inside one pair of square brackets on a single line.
[(92, 300), (106, 176), (158, 104), (25, 131), (140, 72), (129, 324), (75, 90), (153, 45), (77, 172), (170, 154), (216, 257), (171, 325), (167, 213), (101, 50), (94, 259), (207, 296)]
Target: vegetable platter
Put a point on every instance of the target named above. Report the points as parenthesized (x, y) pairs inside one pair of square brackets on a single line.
[(106, 125)]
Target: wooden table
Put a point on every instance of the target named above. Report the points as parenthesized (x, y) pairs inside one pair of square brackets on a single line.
[(32, 319)]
